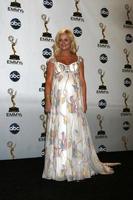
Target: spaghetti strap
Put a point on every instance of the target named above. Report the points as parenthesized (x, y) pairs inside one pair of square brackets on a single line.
[(80, 59), (52, 60)]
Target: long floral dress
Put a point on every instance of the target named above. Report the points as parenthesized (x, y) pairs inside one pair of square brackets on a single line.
[(69, 150)]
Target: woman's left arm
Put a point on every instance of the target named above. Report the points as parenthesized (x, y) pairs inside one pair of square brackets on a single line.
[(83, 84)]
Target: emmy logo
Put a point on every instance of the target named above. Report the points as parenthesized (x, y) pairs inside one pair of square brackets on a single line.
[(43, 68), (101, 132), (128, 9), (13, 95), (46, 21), (126, 109), (13, 43), (127, 53), (101, 87), (11, 147), (125, 142), (103, 28), (15, 4), (77, 13)]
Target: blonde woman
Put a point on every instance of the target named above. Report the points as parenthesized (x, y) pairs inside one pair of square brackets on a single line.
[(69, 151)]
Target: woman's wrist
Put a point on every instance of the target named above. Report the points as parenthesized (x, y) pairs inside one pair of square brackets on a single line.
[(47, 97)]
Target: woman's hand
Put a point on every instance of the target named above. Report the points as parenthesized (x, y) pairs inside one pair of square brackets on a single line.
[(84, 107)]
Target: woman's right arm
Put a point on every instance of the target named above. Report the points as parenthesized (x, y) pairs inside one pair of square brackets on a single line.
[(48, 85)]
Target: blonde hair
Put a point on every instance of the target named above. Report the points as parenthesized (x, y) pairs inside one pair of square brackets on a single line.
[(56, 48)]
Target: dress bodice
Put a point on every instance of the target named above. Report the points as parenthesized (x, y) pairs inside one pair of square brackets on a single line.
[(61, 67)]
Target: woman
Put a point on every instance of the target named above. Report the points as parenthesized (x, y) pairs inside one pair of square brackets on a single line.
[(70, 153)]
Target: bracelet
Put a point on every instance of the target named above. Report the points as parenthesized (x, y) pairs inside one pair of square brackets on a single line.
[(47, 96)]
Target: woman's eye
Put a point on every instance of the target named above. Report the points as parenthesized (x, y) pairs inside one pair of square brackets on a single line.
[(65, 40)]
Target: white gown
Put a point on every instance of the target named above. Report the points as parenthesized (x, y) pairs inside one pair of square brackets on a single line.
[(69, 150)]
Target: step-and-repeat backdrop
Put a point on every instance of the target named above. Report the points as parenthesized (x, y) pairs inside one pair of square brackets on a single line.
[(104, 33)]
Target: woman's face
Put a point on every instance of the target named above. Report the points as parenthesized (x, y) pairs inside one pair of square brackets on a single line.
[(64, 42)]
